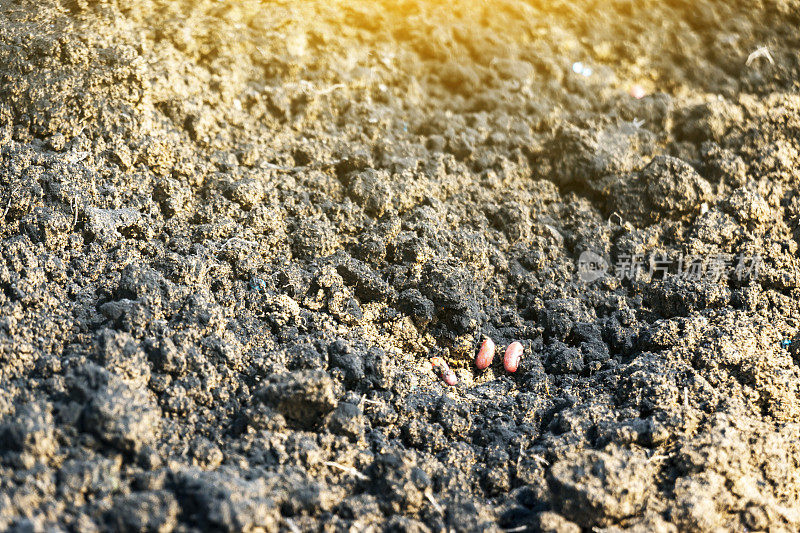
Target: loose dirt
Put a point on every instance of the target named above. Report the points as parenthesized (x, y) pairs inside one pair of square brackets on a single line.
[(233, 234)]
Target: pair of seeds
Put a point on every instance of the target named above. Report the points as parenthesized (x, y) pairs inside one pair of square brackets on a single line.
[(510, 359), (482, 360)]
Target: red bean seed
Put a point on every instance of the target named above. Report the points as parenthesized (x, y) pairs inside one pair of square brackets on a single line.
[(512, 356), (485, 354), (443, 369)]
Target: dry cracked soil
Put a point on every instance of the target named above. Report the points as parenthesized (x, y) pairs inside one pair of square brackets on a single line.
[(234, 233)]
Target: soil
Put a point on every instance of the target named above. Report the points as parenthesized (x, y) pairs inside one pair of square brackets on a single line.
[(234, 233)]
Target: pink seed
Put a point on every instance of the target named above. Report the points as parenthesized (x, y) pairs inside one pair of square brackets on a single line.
[(443, 369), (637, 91), (512, 357), (485, 354)]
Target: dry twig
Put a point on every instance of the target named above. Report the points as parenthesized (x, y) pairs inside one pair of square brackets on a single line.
[(761, 51), (348, 469)]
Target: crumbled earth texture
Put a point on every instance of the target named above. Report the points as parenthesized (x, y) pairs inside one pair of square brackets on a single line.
[(233, 234)]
